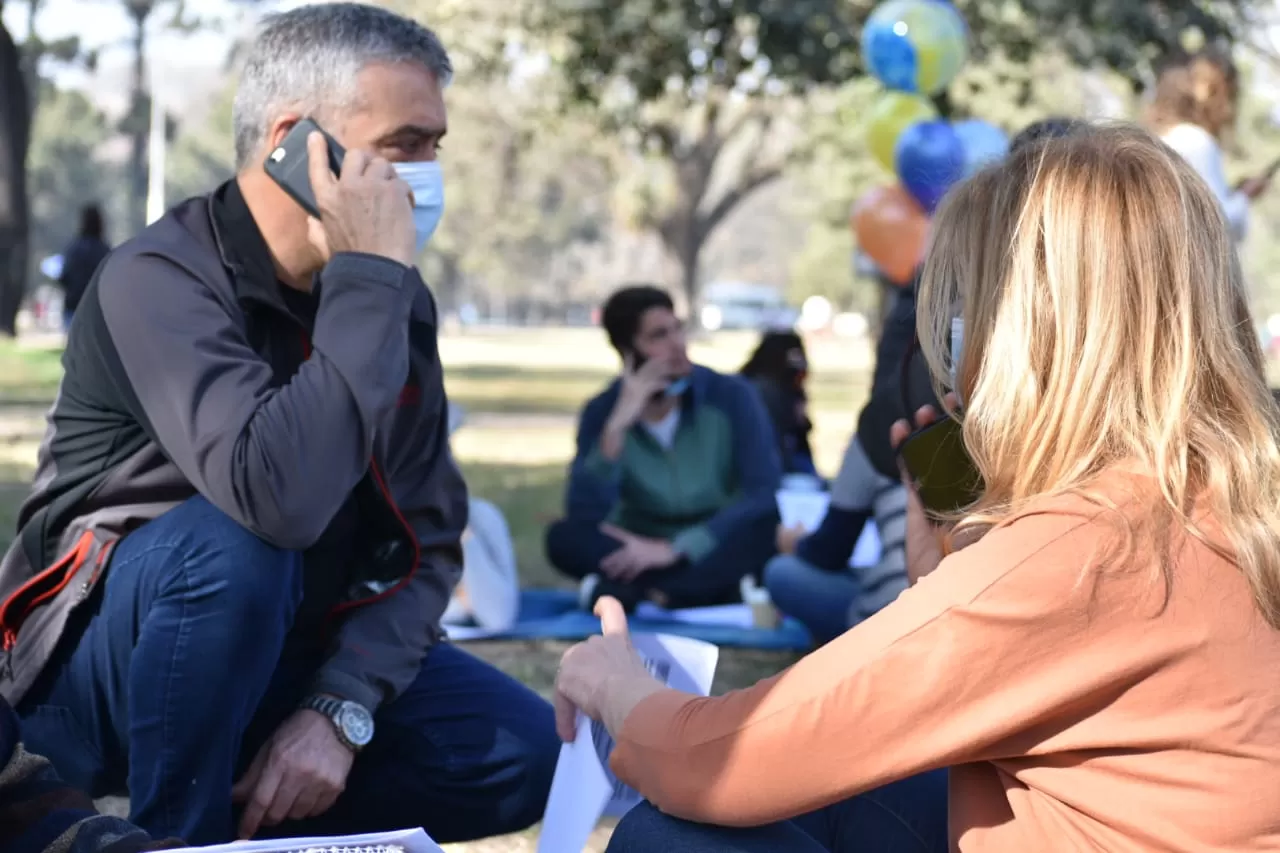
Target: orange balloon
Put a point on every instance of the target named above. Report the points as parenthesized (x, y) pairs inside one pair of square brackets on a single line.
[(892, 229)]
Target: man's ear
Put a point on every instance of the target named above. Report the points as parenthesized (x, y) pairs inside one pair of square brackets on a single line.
[(280, 129)]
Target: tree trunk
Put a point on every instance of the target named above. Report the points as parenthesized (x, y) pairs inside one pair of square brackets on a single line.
[(449, 287), (15, 136), (31, 53), (688, 261), (139, 124)]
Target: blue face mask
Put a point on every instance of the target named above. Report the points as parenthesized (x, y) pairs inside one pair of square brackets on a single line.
[(426, 180)]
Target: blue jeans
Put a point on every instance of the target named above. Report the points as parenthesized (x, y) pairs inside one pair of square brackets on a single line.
[(819, 599), (174, 674), (909, 816)]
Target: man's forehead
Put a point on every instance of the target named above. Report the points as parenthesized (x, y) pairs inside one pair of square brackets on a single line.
[(657, 319), (400, 97)]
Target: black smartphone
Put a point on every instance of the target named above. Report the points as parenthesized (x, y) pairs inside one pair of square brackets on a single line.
[(288, 165), (937, 462)]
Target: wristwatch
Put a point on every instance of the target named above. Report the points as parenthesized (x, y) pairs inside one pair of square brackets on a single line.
[(352, 721)]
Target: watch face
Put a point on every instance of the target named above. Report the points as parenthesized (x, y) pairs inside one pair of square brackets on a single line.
[(356, 724)]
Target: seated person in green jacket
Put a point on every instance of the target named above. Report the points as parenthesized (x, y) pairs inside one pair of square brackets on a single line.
[(672, 493)]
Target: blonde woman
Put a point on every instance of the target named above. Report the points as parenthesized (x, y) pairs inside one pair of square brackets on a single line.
[(1194, 108), (1098, 667)]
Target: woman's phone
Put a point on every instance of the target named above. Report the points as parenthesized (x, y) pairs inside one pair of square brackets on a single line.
[(936, 461), (289, 164)]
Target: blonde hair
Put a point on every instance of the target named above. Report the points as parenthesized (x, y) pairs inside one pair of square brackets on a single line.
[(1201, 89), (1106, 325)]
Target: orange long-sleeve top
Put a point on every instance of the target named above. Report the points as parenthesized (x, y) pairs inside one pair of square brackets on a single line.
[(1086, 698)]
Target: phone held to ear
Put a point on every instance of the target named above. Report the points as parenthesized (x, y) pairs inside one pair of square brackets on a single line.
[(289, 165), (936, 461), (674, 388)]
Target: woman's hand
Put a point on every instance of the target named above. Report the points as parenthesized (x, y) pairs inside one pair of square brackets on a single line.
[(603, 677), (923, 537)]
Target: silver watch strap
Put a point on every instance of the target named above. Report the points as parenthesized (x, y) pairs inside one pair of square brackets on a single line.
[(327, 705), (331, 707)]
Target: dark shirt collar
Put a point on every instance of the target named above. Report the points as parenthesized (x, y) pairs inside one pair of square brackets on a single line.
[(244, 251)]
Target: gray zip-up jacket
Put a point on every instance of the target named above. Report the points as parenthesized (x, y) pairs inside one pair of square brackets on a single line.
[(186, 373)]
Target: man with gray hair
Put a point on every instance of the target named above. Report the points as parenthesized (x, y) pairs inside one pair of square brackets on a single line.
[(226, 590)]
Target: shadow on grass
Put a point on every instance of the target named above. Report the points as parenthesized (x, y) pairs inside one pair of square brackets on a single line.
[(517, 389), (28, 375), (15, 482)]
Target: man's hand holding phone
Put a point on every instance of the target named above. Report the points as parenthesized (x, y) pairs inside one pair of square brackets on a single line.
[(365, 209), (639, 386)]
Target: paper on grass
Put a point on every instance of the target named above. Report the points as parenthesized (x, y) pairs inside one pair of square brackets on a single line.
[(583, 788), (411, 840), (725, 615), (462, 633), (806, 509)]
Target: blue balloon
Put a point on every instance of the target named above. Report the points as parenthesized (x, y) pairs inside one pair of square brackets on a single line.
[(890, 57), (983, 143), (930, 160), (915, 46)]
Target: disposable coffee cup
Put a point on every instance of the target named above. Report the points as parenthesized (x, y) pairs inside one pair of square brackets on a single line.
[(763, 614)]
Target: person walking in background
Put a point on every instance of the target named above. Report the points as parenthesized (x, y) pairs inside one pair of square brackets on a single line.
[(1194, 108), (779, 369), (672, 492), (81, 260)]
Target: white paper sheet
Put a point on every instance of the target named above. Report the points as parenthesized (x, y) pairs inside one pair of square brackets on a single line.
[(462, 633), (412, 840), (584, 789), (806, 509), (867, 552), (728, 615)]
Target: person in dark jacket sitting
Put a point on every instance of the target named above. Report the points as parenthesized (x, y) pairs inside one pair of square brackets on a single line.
[(671, 495), (779, 369)]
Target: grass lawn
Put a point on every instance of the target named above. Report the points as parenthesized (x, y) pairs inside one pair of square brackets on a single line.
[(522, 390)]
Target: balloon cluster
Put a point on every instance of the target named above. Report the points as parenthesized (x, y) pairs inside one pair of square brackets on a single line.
[(915, 48)]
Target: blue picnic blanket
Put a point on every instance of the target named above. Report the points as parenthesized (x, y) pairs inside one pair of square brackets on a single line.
[(554, 614)]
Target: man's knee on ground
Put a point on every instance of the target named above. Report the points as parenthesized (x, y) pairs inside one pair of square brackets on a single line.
[(222, 559)]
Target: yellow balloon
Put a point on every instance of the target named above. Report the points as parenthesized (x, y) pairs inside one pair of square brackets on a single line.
[(891, 115), (941, 43)]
